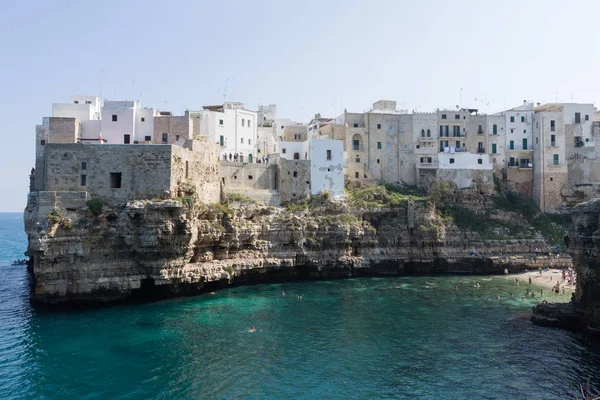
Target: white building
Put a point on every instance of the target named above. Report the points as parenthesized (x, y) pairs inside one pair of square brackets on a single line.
[(234, 128), (327, 167)]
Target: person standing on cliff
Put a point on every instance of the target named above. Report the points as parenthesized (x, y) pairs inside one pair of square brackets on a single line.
[(530, 279)]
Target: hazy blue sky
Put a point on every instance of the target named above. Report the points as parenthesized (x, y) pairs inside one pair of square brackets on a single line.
[(304, 56)]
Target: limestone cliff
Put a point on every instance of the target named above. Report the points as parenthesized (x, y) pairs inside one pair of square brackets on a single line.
[(153, 249), (583, 313)]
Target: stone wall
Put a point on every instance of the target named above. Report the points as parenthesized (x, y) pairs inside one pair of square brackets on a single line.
[(481, 179), (294, 179), (175, 127), (248, 176), (195, 171), (145, 170), (63, 130)]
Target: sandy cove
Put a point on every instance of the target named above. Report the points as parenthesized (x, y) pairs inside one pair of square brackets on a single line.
[(546, 280)]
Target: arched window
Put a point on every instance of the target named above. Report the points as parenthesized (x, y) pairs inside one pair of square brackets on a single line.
[(357, 143), (422, 132), (428, 133), (296, 156)]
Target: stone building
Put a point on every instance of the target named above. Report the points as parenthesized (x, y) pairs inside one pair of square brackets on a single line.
[(120, 173), (564, 153)]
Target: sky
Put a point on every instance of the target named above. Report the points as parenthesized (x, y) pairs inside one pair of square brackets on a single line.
[(305, 56)]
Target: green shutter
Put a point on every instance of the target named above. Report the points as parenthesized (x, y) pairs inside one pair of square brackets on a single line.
[(524, 144), (556, 159), (222, 140), (512, 144), (494, 147), (495, 129)]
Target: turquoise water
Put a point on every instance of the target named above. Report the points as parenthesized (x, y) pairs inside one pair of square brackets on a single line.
[(356, 339)]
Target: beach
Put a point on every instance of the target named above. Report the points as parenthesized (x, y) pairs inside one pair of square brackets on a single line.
[(547, 280)]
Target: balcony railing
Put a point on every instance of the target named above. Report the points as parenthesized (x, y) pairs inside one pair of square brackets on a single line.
[(481, 150)]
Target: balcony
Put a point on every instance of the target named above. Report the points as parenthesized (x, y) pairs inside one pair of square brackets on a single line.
[(480, 131), (426, 139), (480, 150), (427, 165)]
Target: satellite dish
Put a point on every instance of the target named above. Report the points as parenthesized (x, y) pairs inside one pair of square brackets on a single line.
[(457, 106)]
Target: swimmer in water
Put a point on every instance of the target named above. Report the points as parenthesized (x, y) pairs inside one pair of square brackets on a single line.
[(212, 293), (477, 285), (283, 292), (253, 329), (497, 297), (455, 286), (299, 297)]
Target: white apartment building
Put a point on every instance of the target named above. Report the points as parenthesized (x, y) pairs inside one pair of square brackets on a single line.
[(234, 128), (327, 167)]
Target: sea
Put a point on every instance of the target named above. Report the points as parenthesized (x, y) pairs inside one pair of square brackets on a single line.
[(414, 337)]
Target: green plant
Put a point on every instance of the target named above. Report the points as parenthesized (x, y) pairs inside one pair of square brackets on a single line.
[(441, 190), (224, 208), (231, 197), (54, 217), (377, 196), (187, 200), (230, 270), (95, 206), (66, 223)]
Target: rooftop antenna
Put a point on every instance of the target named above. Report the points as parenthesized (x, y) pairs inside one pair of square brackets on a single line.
[(557, 96), (461, 90)]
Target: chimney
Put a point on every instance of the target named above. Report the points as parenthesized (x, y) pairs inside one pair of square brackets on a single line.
[(524, 102)]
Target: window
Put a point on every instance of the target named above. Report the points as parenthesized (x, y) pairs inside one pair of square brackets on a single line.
[(511, 162), (378, 126), (88, 102), (114, 117), (378, 161), (355, 125), (75, 101), (250, 177), (297, 137), (221, 122), (83, 165), (525, 131), (295, 174), (443, 116), (522, 118), (577, 118), (242, 140), (284, 150), (405, 147), (378, 145), (355, 145), (115, 180), (512, 119), (248, 123), (479, 161), (388, 147), (165, 137), (552, 140), (143, 119), (250, 141), (296, 156), (148, 138), (127, 139), (329, 154), (552, 126), (524, 144), (429, 160), (221, 140), (356, 175), (428, 133), (42, 142), (512, 145), (357, 159), (556, 159), (493, 148), (452, 161), (422, 132), (536, 140), (389, 163), (83, 180), (512, 130), (495, 129), (587, 117), (456, 116), (176, 137), (243, 121)]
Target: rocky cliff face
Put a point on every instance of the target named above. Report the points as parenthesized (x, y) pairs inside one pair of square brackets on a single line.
[(583, 313), (155, 249)]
